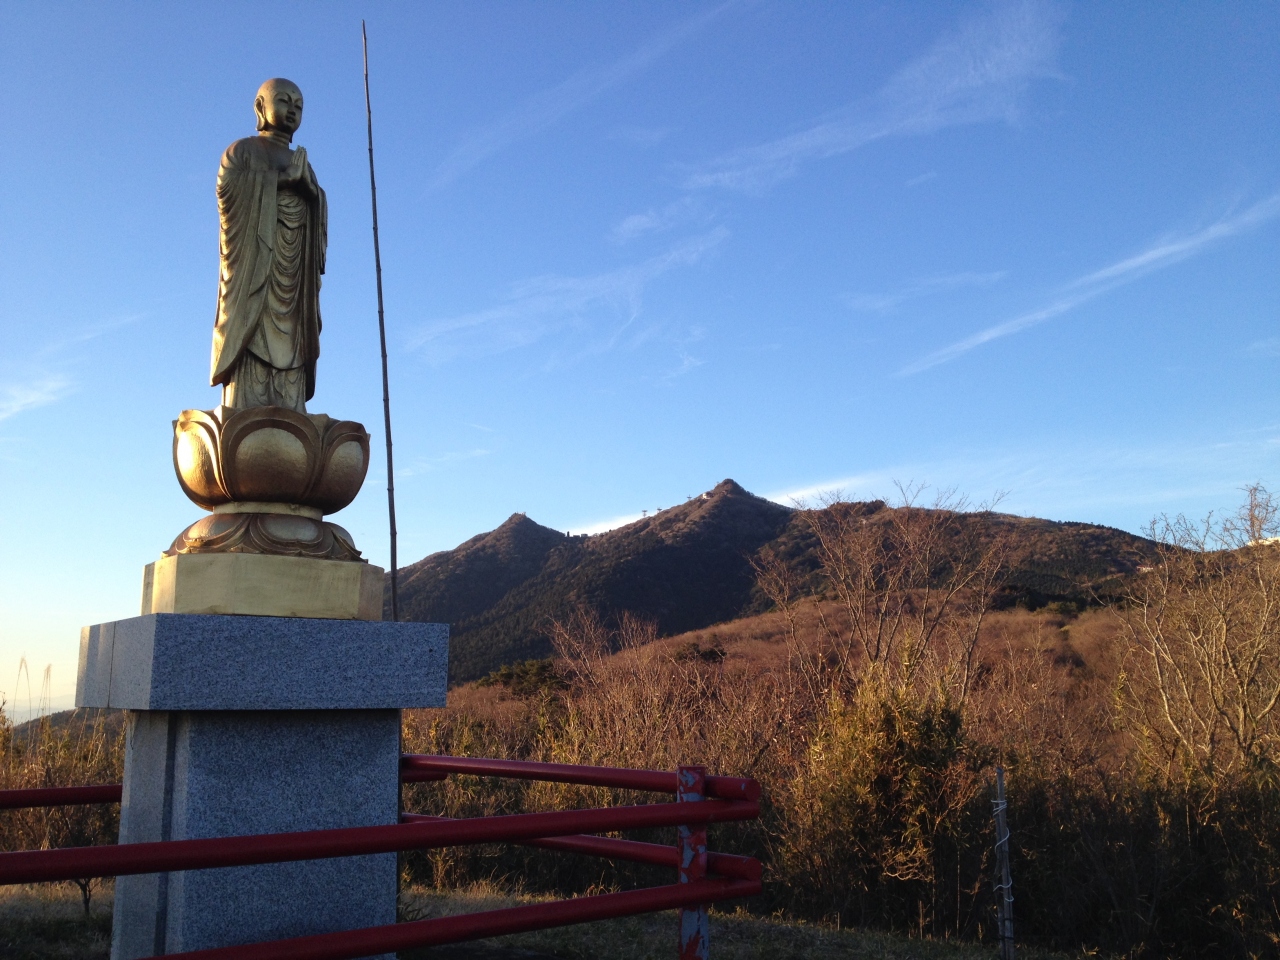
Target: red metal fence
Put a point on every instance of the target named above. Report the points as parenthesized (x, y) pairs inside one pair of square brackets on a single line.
[(703, 877)]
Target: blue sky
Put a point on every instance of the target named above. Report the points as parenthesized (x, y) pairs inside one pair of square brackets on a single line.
[(633, 249)]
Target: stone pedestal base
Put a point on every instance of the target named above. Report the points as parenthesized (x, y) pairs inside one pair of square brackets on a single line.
[(174, 661), (264, 586), (195, 774), (243, 725)]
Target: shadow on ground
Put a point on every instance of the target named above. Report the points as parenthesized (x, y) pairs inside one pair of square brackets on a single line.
[(474, 951)]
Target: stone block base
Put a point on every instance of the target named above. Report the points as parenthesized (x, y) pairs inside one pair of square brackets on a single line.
[(244, 725), (194, 774), (263, 586), (183, 661)]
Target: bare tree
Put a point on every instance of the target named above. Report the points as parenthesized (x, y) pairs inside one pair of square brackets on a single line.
[(912, 585), (1205, 621), (583, 644), (804, 680)]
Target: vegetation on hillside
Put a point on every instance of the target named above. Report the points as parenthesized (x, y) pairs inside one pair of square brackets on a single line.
[(875, 709), (691, 566)]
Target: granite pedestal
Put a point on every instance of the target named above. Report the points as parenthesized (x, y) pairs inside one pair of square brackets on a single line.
[(243, 725)]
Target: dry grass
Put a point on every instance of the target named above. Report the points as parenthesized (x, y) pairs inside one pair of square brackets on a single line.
[(47, 922), (87, 748), (1075, 642), (734, 936)]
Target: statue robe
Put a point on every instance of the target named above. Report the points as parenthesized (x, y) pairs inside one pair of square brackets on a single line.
[(266, 337)]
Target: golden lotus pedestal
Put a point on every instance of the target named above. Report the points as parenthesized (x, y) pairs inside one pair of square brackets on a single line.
[(268, 475)]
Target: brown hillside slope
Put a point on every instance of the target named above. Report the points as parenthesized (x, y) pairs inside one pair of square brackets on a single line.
[(689, 567)]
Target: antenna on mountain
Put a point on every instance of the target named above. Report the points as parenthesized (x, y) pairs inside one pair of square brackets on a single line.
[(382, 335)]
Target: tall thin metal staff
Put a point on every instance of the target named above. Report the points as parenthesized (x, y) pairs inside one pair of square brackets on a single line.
[(1004, 888), (382, 335)]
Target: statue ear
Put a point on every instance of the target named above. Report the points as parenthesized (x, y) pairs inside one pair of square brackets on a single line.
[(261, 113)]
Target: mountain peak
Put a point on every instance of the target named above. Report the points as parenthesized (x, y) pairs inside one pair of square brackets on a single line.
[(520, 533), (729, 488), (517, 521)]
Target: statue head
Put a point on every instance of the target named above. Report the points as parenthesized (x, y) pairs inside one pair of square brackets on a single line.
[(279, 106)]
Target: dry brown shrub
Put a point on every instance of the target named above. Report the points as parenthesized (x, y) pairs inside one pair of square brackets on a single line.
[(83, 751), (1204, 622)]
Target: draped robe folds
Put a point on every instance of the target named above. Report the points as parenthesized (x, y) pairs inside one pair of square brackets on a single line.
[(266, 337)]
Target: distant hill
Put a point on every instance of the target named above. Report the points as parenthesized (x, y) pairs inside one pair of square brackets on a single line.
[(688, 568), (685, 568), (73, 721)]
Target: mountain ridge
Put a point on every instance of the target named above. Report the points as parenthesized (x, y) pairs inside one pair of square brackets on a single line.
[(689, 567)]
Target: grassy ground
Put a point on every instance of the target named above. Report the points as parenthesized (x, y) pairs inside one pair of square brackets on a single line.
[(47, 922), (734, 936)]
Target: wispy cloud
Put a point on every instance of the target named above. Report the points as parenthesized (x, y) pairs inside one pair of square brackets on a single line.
[(923, 178), (36, 392), (36, 380), (538, 306), (1124, 485), (1159, 255), (977, 74), (1270, 347), (883, 302), (547, 107), (688, 362), (430, 464), (85, 333), (655, 220), (641, 136)]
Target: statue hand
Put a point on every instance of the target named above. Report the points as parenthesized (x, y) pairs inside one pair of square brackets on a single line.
[(298, 173), (309, 180)]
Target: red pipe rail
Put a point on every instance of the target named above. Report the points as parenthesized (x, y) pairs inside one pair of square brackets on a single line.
[(419, 768), (60, 796), (716, 877), (477, 926), (657, 781), (70, 863), (720, 864)]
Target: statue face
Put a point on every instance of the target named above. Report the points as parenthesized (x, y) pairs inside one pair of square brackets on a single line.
[(279, 106)]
